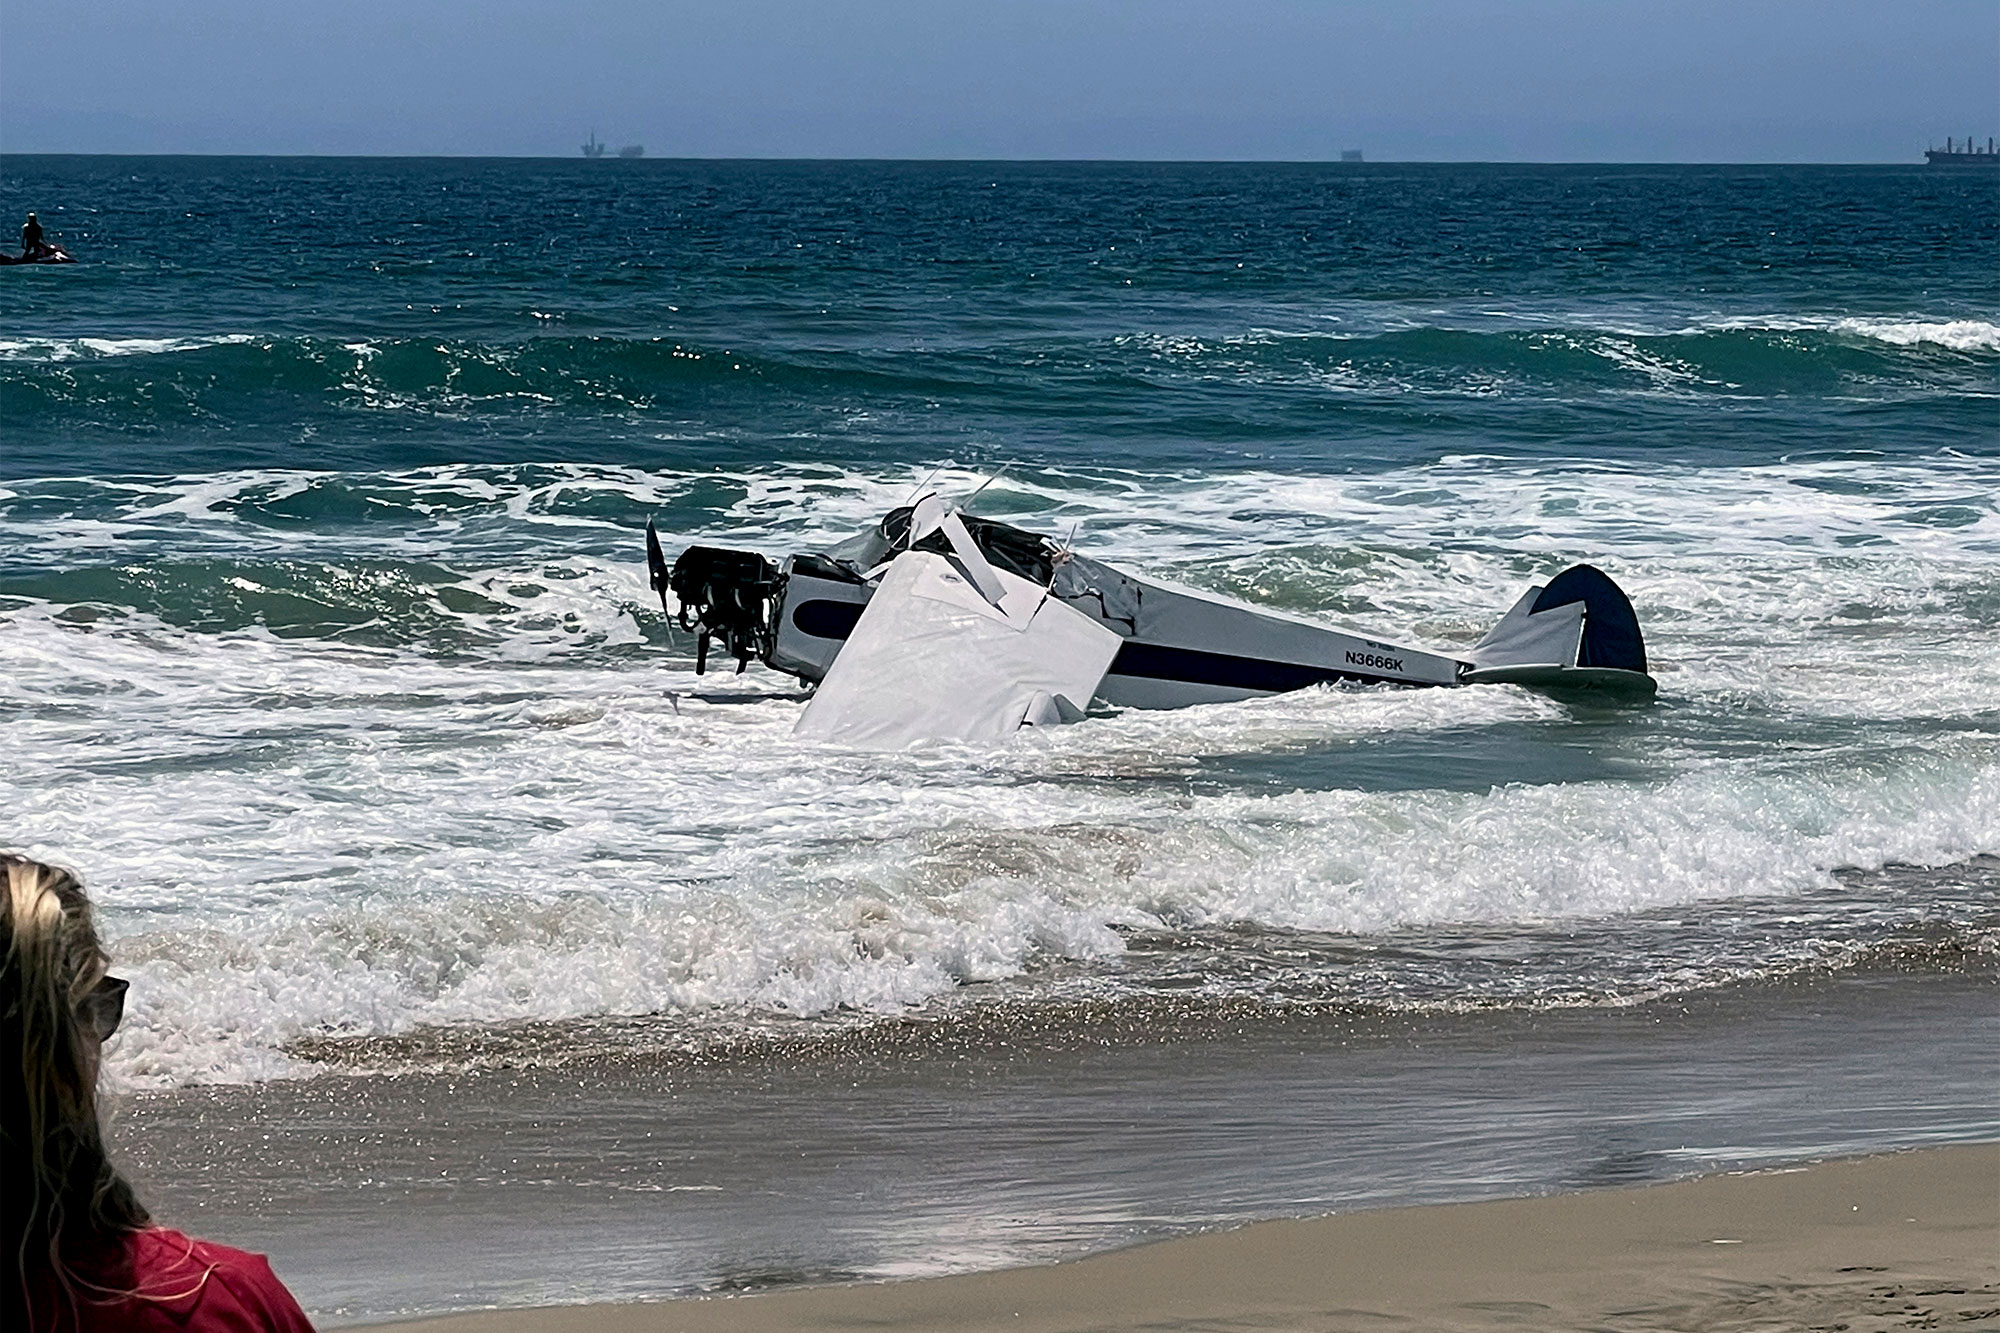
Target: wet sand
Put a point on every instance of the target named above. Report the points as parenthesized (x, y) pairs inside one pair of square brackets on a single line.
[(1906, 1240), (641, 1179)]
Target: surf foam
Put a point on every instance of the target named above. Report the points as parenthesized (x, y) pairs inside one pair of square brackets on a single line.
[(507, 810)]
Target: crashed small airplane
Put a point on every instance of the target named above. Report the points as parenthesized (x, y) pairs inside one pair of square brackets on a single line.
[(936, 625)]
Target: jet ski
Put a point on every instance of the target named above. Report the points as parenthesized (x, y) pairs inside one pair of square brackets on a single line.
[(1168, 646), (52, 255)]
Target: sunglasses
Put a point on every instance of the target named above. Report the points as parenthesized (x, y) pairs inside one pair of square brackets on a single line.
[(104, 1007)]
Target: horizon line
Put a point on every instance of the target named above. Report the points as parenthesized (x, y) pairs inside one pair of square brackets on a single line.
[(628, 162)]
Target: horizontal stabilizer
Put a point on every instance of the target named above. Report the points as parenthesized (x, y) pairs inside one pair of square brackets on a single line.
[(1603, 682), (1527, 637)]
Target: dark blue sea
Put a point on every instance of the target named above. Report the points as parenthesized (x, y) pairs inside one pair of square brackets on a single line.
[(327, 655)]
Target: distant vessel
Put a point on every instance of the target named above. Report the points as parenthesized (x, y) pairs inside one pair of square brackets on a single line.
[(631, 150), (591, 147), (1350, 154), (1971, 155)]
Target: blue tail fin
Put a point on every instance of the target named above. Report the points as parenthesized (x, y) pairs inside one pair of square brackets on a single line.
[(1611, 635)]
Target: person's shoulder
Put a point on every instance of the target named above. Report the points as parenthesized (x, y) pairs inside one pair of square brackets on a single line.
[(168, 1246), (219, 1286)]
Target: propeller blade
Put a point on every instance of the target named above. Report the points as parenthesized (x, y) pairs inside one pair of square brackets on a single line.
[(656, 564)]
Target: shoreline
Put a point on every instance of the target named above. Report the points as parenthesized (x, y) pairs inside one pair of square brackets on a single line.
[(1899, 1240), (629, 1181)]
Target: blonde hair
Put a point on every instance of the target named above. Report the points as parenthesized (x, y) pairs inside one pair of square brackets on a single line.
[(65, 1209)]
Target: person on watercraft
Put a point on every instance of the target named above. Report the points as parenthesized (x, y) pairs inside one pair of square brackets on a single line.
[(32, 244)]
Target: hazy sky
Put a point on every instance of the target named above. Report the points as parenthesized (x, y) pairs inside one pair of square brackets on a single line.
[(1609, 80)]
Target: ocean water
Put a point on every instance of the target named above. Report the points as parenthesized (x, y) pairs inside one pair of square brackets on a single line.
[(327, 655)]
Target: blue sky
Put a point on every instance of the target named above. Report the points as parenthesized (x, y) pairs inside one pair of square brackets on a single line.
[(1545, 80)]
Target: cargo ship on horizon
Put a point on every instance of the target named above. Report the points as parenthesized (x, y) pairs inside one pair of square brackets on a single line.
[(594, 148), (1971, 155)]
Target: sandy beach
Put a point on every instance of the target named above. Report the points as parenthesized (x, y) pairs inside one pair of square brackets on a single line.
[(1901, 1241)]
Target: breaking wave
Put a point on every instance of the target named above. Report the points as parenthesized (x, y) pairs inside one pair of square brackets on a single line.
[(138, 383), (359, 757), (56, 351), (1960, 335)]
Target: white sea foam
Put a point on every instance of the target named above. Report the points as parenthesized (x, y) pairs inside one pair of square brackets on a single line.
[(1374, 319), (1961, 335), (1465, 502), (83, 349), (296, 836), (1666, 374), (1226, 346)]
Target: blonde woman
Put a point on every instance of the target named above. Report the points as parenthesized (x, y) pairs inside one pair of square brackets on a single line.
[(81, 1254)]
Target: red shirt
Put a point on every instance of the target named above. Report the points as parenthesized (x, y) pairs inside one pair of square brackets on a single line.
[(183, 1285)]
